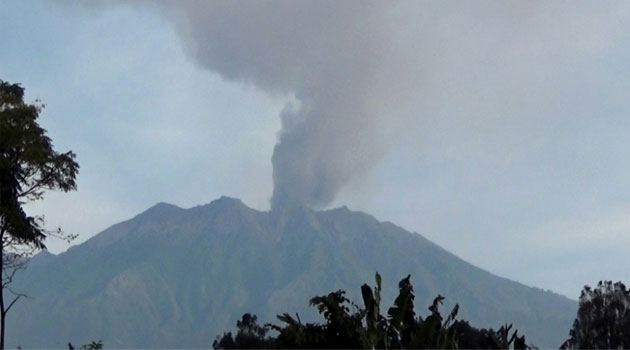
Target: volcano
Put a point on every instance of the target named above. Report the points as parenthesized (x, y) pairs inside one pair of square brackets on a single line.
[(176, 278)]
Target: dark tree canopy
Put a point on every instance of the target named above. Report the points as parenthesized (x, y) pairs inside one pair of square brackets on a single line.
[(366, 328), (29, 165), (603, 319)]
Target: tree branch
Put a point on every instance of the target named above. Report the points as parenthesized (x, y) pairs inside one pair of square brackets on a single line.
[(13, 302)]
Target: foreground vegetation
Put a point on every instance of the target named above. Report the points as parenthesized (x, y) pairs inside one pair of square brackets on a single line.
[(602, 322), (29, 167), (366, 328)]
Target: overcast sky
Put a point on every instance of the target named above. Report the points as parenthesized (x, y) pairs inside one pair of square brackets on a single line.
[(499, 130)]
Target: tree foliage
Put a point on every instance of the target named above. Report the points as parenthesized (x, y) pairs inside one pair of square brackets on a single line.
[(94, 345), (29, 165), (603, 318), (367, 328)]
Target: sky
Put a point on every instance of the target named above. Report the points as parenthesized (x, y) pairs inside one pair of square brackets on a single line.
[(496, 129)]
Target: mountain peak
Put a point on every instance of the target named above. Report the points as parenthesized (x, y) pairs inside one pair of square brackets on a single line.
[(227, 202), (224, 204), (160, 209)]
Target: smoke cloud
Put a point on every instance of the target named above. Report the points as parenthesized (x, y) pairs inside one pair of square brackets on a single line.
[(360, 73), (330, 56)]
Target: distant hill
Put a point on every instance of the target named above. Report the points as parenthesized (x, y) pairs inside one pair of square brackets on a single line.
[(173, 277)]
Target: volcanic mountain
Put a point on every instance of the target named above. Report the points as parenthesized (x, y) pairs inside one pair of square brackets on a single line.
[(173, 277)]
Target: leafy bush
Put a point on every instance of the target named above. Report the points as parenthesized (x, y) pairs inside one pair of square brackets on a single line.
[(603, 319), (367, 328)]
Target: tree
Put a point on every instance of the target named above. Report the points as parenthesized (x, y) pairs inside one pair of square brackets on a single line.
[(94, 345), (250, 335), (366, 328), (29, 166), (603, 318), (14, 258)]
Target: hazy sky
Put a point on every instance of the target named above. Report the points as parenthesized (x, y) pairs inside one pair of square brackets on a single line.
[(499, 130)]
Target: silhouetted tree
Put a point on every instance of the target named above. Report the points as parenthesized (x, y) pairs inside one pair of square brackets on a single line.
[(14, 258), (603, 319), (95, 345), (376, 325), (367, 328), (28, 167), (401, 315), (250, 335)]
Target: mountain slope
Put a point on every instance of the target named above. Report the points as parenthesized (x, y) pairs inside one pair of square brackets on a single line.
[(176, 278)]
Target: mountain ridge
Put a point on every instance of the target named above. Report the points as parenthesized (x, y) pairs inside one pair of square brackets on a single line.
[(178, 277)]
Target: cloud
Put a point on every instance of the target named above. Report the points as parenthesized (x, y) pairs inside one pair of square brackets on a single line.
[(330, 56), (572, 252), (354, 67)]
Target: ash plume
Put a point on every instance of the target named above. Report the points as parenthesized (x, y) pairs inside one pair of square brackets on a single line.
[(328, 55), (461, 75)]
